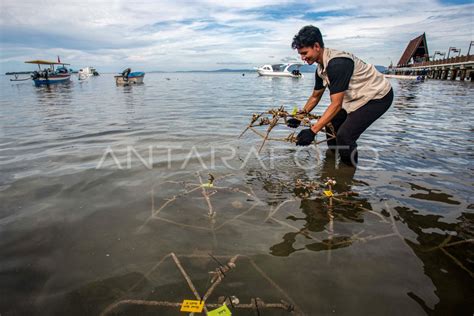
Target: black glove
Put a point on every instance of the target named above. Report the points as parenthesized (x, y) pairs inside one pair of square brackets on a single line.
[(305, 137), (293, 123)]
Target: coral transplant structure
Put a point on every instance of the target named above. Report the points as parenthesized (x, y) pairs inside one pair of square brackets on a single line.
[(208, 189), (226, 264), (216, 277), (279, 116)]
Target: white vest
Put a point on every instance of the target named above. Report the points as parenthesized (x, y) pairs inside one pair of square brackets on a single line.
[(366, 82)]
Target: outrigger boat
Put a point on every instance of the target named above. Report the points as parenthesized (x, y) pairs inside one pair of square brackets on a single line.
[(49, 75), (281, 70)]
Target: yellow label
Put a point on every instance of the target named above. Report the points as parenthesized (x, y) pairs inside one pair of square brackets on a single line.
[(328, 193), (192, 306), (295, 110), (207, 185), (221, 311)]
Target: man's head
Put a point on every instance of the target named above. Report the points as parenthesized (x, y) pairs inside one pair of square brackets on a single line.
[(309, 43)]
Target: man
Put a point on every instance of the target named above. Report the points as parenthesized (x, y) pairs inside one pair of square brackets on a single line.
[(359, 94)]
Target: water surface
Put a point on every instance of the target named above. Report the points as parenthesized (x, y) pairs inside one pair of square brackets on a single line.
[(100, 183)]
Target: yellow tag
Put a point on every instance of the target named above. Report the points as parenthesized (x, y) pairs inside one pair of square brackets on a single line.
[(221, 311), (192, 306), (207, 185), (295, 110), (328, 193)]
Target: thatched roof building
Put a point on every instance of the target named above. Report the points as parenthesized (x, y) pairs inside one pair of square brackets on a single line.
[(416, 51)]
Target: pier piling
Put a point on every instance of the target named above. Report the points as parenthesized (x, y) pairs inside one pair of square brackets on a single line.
[(461, 67)]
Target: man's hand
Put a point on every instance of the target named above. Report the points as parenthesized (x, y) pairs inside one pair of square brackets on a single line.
[(305, 137), (293, 123), (303, 111)]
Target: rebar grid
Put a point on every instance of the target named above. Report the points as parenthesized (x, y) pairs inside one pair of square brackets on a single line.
[(219, 275), (311, 189)]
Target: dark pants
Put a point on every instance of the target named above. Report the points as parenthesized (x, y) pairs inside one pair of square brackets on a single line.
[(349, 127)]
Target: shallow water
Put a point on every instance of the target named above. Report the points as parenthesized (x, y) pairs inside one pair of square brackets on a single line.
[(100, 183)]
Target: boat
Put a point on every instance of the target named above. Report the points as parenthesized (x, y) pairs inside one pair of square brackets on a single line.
[(87, 72), (281, 70), (94, 71), (409, 77), (128, 77), (49, 75)]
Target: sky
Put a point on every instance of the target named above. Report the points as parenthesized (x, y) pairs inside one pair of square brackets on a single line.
[(214, 34)]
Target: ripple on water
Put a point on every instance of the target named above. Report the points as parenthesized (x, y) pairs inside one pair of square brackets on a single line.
[(75, 236)]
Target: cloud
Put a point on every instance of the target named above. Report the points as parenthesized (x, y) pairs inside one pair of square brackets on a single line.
[(289, 59), (183, 35), (232, 63)]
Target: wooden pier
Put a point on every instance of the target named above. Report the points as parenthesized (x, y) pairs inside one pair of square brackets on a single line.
[(415, 61), (454, 68)]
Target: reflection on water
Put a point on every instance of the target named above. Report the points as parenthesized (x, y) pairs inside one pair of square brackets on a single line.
[(397, 237), (447, 253)]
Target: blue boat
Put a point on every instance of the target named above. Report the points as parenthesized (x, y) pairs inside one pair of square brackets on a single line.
[(49, 75)]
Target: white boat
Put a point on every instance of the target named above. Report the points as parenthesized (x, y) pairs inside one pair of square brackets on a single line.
[(87, 72), (409, 77), (281, 70)]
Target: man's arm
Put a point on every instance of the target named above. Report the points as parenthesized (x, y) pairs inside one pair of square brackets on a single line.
[(308, 107), (331, 111), (313, 100)]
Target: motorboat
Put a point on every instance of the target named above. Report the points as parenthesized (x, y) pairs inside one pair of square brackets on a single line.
[(281, 70), (87, 72), (128, 77), (94, 71), (49, 75)]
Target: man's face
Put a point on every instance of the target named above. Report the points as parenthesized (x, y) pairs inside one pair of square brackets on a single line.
[(311, 55)]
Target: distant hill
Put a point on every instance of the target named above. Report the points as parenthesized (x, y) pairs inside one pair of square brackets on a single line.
[(380, 68), (219, 70), (308, 68), (304, 68)]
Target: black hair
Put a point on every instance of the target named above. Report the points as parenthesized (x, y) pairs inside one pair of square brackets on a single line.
[(307, 37)]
